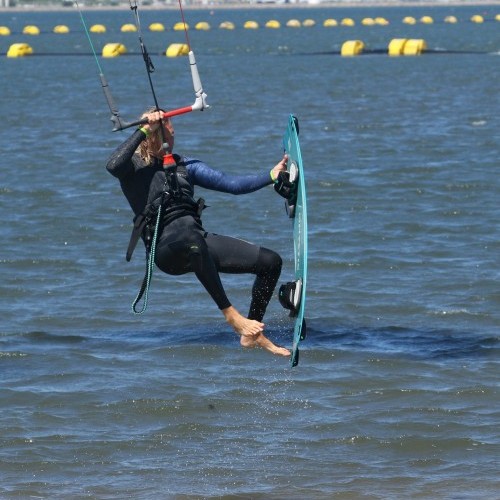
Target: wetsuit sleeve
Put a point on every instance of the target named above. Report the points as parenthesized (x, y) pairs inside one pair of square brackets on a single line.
[(202, 175), (120, 163)]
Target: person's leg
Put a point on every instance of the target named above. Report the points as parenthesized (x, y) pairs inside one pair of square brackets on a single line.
[(232, 255), (268, 270), (183, 249), (236, 256), (203, 265)]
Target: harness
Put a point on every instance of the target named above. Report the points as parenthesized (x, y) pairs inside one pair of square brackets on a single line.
[(173, 202)]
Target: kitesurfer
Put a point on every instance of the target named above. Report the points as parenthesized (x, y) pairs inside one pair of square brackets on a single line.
[(183, 245)]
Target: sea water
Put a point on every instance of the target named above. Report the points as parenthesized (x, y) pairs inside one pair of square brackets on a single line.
[(396, 393)]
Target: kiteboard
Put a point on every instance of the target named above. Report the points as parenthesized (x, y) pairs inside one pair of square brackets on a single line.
[(292, 295)]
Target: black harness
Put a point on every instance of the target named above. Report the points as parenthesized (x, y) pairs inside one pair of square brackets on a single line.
[(175, 201)]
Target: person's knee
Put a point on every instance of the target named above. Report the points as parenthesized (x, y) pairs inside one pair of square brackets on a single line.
[(269, 261)]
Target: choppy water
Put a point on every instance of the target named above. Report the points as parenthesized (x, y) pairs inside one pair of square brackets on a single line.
[(396, 394)]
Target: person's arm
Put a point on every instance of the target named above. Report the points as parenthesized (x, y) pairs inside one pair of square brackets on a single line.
[(120, 162), (204, 176)]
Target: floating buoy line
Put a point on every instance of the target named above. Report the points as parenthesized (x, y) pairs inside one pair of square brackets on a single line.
[(395, 47), (349, 48), (270, 24)]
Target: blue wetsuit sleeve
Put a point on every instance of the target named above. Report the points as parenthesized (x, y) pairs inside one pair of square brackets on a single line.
[(206, 177)]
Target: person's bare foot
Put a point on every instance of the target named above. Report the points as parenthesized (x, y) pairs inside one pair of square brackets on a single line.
[(265, 343), (251, 332), (245, 327)]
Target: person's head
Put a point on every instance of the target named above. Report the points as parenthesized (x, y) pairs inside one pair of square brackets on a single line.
[(152, 146)]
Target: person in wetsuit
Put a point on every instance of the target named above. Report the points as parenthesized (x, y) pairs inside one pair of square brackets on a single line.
[(183, 245)]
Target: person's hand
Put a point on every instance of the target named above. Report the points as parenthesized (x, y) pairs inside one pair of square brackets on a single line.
[(279, 167), (154, 120)]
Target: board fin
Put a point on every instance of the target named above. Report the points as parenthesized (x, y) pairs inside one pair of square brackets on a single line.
[(303, 330)]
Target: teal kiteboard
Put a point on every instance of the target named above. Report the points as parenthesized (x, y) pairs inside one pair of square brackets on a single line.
[(292, 295)]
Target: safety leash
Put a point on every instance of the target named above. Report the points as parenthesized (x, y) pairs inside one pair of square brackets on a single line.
[(150, 263)]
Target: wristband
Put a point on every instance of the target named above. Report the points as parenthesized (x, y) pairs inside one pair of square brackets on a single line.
[(272, 178), (145, 131)]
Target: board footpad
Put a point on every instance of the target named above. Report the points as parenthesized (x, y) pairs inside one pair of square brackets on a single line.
[(290, 294)]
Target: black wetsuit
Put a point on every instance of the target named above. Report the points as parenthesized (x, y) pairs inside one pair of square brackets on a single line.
[(184, 245)]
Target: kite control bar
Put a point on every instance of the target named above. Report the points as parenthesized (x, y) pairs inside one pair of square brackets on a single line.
[(119, 124), (199, 104)]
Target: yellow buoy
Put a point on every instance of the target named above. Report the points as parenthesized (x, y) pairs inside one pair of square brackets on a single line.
[(409, 20), (180, 26), (367, 21), (497, 17), (347, 21), (450, 19), (414, 47), (4, 31), (396, 46), (128, 28), (352, 48), (19, 50), (31, 30), (308, 23), (226, 25), (177, 49), (156, 27), (273, 24), (202, 26), (60, 29), (293, 23), (113, 50), (426, 20), (328, 23), (477, 19), (381, 21), (98, 28), (251, 25)]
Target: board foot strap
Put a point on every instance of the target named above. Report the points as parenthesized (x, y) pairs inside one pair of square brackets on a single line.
[(290, 295)]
